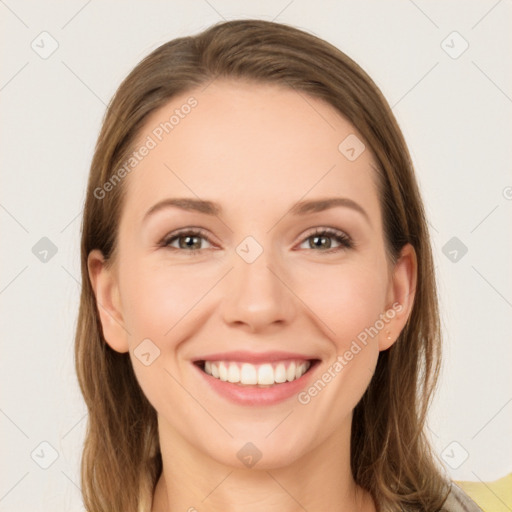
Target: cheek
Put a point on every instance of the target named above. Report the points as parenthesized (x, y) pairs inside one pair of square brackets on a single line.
[(158, 297), (347, 299), (160, 303)]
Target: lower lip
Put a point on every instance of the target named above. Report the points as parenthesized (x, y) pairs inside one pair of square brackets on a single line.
[(253, 395)]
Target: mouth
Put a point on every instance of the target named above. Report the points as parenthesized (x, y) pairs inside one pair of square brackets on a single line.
[(261, 375), (256, 379)]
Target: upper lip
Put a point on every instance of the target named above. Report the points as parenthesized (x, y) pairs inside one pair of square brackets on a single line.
[(253, 357)]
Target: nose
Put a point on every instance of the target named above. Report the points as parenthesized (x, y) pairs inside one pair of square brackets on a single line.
[(258, 296)]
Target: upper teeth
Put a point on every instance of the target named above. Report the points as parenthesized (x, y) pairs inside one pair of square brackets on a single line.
[(251, 374)]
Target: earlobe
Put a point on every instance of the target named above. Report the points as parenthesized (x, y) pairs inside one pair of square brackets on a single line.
[(106, 291), (400, 296)]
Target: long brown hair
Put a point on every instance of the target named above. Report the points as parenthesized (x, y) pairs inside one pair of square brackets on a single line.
[(390, 453)]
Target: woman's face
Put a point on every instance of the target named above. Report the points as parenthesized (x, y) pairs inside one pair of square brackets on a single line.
[(280, 279)]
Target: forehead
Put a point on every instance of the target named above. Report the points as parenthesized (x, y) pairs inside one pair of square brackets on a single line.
[(250, 144)]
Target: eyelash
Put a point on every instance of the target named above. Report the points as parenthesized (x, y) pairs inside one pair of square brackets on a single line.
[(344, 240)]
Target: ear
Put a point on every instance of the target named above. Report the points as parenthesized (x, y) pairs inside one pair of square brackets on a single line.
[(400, 297), (104, 283)]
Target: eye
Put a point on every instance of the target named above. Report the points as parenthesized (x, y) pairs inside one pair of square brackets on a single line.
[(191, 240), (321, 238), (188, 240)]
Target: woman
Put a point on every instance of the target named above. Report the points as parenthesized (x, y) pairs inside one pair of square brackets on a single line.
[(258, 325)]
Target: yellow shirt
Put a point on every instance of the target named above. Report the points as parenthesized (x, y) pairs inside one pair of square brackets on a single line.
[(458, 501), (491, 496)]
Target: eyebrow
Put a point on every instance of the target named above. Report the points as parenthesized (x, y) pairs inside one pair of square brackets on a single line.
[(319, 205), (298, 209)]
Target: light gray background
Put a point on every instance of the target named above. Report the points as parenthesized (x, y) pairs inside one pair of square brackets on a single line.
[(456, 117)]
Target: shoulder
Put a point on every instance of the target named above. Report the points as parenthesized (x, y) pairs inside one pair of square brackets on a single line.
[(458, 501)]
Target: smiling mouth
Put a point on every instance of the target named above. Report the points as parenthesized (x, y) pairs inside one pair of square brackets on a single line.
[(257, 375)]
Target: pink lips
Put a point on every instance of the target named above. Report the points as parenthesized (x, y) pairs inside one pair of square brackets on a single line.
[(253, 394), (253, 357)]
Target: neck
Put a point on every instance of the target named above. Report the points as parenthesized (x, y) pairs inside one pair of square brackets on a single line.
[(319, 480)]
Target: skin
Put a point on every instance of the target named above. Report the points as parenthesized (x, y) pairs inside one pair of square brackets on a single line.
[(256, 150)]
